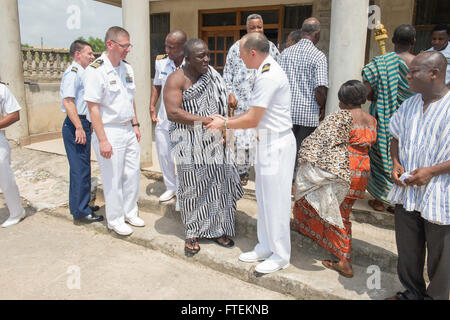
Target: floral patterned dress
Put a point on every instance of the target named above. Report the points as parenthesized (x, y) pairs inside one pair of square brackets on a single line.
[(337, 240)]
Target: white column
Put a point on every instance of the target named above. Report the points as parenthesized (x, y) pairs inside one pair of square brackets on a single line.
[(347, 45), (136, 20), (11, 67)]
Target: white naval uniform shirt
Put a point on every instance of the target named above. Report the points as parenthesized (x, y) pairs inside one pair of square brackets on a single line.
[(446, 53), (272, 91), (112, 87), (72, 87), (163, 68), (8, 103)]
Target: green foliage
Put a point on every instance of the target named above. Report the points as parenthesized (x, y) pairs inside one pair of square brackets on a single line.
[(97, 44), (25, 45)]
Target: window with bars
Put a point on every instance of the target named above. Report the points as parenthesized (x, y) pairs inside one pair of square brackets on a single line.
[(429, 13), (159, 28)]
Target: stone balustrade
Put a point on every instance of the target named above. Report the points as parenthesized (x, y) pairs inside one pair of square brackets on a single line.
[(45, 65)]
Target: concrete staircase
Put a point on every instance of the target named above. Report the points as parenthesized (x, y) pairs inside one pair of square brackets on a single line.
[(373, 248), (306, 278)]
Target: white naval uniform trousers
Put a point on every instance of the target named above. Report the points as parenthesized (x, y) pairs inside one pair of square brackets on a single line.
[(165, 157), (120, 173), (274, 169), (113, 88), (163, 68), (7, 182)]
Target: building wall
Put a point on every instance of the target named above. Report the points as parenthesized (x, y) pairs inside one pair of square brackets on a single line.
[(44, 108), (184, 13), (393, 14)]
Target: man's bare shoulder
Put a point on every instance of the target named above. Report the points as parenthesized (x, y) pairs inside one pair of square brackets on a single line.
[(176, 78)]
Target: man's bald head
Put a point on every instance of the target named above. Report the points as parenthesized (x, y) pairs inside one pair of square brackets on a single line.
[(177, 35), (256, 41), (432, 60), (427, 72), (311, 29), (175, 41)]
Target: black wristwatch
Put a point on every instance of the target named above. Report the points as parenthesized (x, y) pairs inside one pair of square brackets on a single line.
[(135, 124)]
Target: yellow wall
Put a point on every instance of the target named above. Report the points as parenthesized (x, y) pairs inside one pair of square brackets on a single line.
[(184, 13), (393, 13)]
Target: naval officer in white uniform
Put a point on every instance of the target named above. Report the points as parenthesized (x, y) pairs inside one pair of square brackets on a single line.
[(109, 91), (164, 66), (276, 147), (9, 113)]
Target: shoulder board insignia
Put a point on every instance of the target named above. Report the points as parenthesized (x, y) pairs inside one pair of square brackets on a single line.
[(97, 63), (74, 69), (125, 61), (161, 56), (265, 68), (5, 83)]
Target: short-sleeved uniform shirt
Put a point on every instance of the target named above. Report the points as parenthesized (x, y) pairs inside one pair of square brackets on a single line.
[(446, 53), (163, 68), (112, 87), (8, 103), (271, 91), (72, 87)]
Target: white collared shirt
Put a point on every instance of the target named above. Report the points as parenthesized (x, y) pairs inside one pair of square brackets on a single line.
[(72, 87), (163, 68), (272, 91), (8, 103), (113, 88)]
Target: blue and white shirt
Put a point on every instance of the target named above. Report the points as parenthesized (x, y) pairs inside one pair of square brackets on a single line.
[(306, 68), (424, 141), (72, 87)]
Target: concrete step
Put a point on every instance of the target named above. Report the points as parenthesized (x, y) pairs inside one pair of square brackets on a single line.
[(361, 212), (306, 278), (371, 244)]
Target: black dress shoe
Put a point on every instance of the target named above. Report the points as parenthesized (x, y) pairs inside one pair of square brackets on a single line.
[(94, 208), (89, 218)]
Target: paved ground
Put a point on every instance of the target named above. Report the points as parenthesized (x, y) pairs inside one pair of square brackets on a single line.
[(42, 256)]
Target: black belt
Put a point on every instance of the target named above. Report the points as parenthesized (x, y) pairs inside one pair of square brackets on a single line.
[(82, 116)]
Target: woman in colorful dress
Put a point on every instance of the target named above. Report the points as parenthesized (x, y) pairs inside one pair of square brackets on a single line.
[(385, 80), (332, 172)]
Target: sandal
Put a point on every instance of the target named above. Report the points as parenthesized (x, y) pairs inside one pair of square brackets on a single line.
[(376, 205), (333, 265), (244, 179), (223, 241), (390, 209), (189, 247)]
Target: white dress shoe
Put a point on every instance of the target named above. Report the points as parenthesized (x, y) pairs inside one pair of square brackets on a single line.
[(121, 229), (13, 220), (253, 256), (135, 221), (166, 196), (269, 266)]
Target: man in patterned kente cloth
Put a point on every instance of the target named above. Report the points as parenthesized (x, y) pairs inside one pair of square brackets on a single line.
[(208, 184)]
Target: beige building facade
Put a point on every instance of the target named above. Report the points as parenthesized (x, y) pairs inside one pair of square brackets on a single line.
[(347, 39)]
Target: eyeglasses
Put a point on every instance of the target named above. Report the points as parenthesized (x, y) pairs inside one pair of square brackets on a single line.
[(124, 46)]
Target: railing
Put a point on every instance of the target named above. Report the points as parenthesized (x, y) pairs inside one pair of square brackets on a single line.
[(45, 65)]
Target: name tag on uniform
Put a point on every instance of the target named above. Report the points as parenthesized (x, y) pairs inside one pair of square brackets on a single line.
[(128, 78), (112, 82)]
